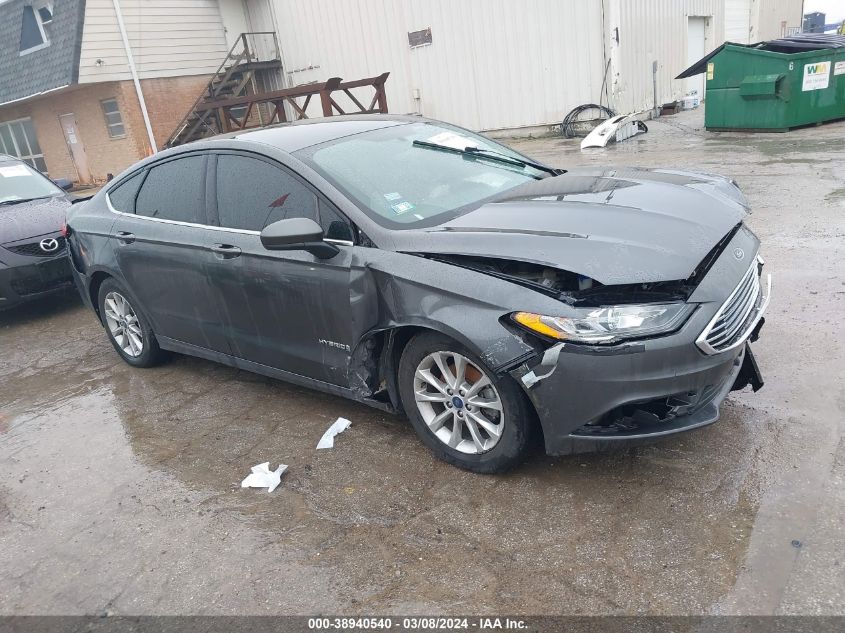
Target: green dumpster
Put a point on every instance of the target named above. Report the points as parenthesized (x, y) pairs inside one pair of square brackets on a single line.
[(776, 85)]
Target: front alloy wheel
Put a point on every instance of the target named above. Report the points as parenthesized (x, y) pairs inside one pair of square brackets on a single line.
[(458, 402), (465, 413)]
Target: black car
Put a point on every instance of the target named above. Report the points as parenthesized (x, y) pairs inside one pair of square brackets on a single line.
[(33, 254), (419, 267)]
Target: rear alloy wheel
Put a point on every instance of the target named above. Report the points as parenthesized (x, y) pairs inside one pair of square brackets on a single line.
[(128, 330), (123, 324), (466, 414)]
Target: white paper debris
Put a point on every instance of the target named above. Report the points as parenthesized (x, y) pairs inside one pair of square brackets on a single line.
[(263, 477), (339, 426)]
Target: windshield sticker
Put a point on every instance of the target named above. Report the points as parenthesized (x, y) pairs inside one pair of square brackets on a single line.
[(393, 196), (450, 139), (14, 170), (402, 207)]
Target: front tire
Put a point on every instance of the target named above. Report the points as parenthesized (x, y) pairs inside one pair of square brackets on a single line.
[(127, 328), (462, 411)]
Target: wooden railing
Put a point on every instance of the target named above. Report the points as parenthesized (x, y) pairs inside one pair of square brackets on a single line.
[(237, 113)]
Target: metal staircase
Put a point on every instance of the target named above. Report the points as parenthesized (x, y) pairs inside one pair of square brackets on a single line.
[(251, 67)]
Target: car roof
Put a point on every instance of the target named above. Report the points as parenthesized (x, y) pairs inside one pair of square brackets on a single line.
[(291, 137), (5, 158)]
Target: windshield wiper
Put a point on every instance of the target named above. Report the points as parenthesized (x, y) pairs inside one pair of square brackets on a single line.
[(20, 200), (490, 155)]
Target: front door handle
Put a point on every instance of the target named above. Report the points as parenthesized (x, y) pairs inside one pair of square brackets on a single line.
[(226, 251), (124, 237)]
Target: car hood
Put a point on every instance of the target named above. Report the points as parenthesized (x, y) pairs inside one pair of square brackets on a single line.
[(31, 219), (616, 226)]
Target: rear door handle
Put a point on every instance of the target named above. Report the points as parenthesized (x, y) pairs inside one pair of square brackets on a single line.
[(124, 237), (226, 251)]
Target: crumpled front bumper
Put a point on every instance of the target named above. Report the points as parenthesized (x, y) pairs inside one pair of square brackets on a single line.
[(590, 397)]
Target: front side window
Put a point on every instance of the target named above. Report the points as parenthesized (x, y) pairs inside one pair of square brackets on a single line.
[(174, 190), (114, 122), (403, 184), (20, 182), (18, 139), (252, 193)]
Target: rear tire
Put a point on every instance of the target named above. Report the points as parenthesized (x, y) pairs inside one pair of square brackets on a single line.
[(126, 326), (461, 410)]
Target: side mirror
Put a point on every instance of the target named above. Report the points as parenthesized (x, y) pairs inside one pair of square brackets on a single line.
[(63, 183), (297, 234)]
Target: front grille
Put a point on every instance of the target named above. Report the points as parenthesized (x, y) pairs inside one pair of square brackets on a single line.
[(33, 249), (738, 315)]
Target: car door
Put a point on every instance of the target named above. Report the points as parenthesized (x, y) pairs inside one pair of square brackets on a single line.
[(283, 309), (163, 248)]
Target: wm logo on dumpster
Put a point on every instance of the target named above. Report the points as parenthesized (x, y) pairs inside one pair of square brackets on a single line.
[(816, 76)]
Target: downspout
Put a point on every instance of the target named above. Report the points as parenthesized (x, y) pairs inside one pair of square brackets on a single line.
[(134, 73)]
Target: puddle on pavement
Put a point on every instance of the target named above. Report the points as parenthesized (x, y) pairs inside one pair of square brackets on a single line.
[(384, 519)]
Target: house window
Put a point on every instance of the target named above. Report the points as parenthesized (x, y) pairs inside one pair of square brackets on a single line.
[(33, 34), (114, 122), (17, 138)]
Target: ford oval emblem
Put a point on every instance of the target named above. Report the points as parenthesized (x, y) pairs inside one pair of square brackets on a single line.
[(739, 254)]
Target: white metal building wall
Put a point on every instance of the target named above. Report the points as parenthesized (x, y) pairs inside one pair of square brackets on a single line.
[(738, 21), (496, 64), (656, 30), (773, 18), (492, 63)]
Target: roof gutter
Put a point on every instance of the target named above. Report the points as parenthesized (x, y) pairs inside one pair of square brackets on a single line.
[(35, 95), (134, 73)]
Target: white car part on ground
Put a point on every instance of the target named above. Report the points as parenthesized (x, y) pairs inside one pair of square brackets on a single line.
[(618, 129)]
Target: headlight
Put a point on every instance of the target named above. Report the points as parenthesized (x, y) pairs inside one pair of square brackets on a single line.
[(609, 324)]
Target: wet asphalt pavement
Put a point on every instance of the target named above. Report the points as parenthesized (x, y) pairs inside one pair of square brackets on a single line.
[(120, 489)]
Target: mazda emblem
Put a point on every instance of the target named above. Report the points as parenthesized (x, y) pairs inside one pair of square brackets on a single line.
[(739, 253), (49, 245)]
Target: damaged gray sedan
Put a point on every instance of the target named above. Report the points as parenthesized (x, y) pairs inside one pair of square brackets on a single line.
[(418, 267)]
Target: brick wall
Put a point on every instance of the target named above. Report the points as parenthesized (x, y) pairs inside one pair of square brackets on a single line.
[(168, 99)]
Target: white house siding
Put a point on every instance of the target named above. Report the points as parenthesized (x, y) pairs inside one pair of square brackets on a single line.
[(169, 38), (492, 64)]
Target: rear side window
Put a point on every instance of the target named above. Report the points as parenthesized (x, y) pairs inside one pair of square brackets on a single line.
[(175, 190), (122, 197), (252, 193)]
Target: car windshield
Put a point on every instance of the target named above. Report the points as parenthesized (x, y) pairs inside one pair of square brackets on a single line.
[(419, 174), (20, 182)]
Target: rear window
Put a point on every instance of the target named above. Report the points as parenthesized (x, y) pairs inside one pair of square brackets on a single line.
[(122, 197), (175, 190)]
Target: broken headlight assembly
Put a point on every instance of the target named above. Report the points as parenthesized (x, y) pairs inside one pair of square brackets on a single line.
[(609, 324)]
